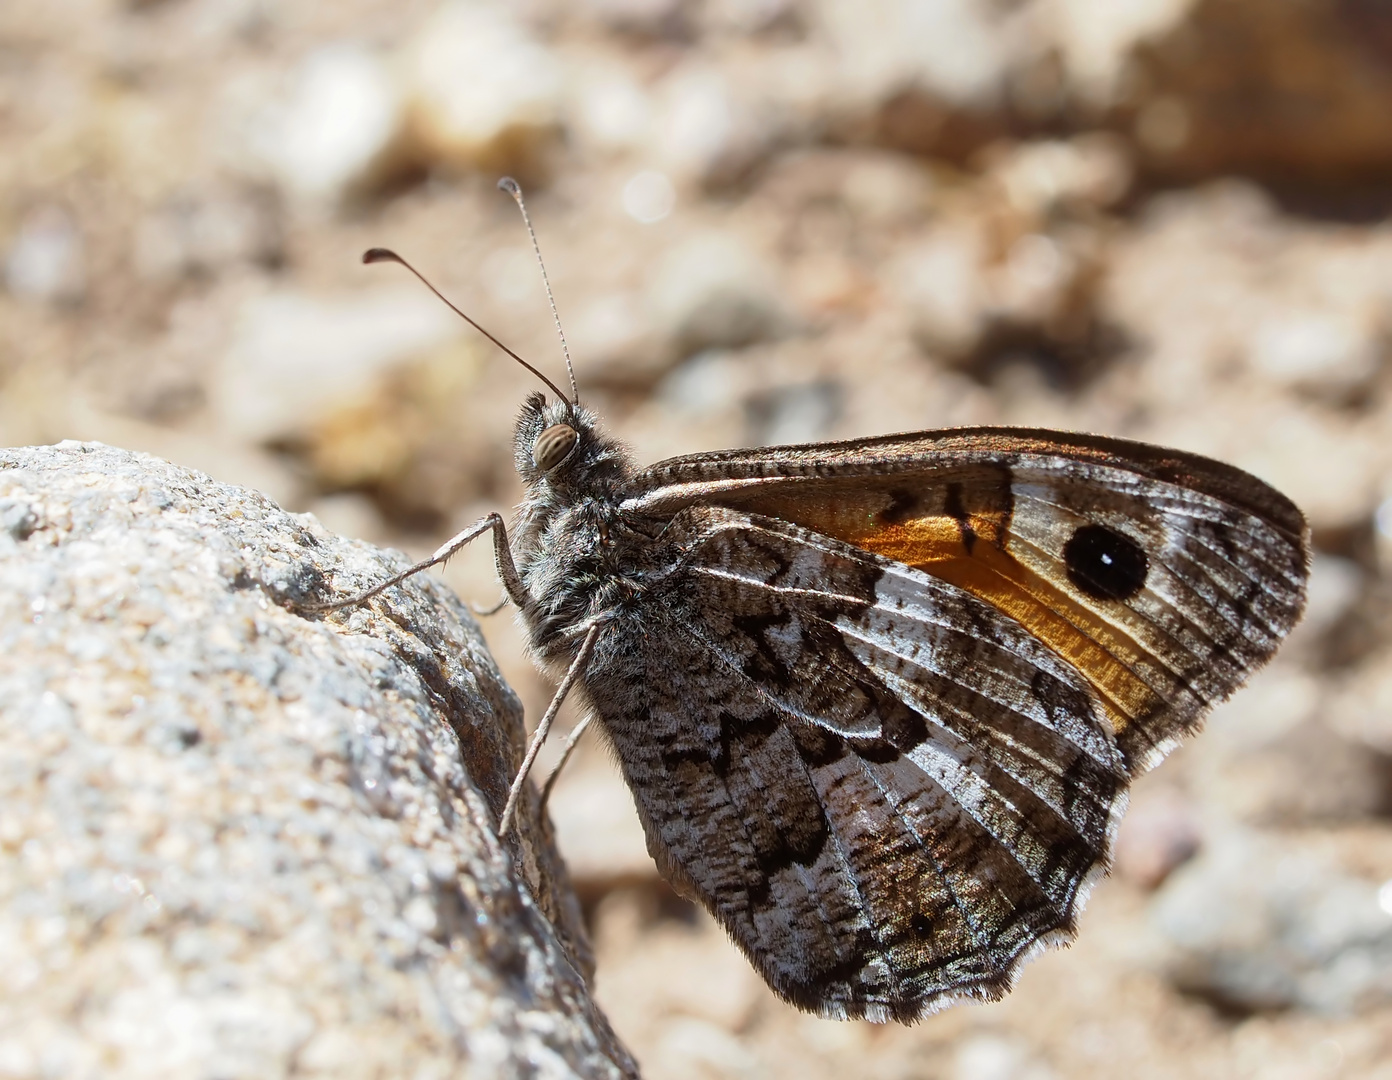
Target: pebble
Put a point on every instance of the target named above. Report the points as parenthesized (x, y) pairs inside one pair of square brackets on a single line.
[(1258, 923), (789, 415), (293, 356), (609, 108), (710, 384), (997, 1057), (1047, 175), (598, 829), (646, 18), (940, 281), (713, 291), (951, 50), (649, 197), (1311, 775), (1096, 42), (1193, 60), (206, 232), (1362, 707), (45, 259), (614, 334), (484, 92), (706, 131), (1159, 834), (338, 130)]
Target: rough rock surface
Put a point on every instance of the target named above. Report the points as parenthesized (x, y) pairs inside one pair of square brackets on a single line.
[(239, 841)]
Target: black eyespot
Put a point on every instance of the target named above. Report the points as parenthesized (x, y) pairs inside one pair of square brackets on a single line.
[(553, 446), (1104, 563)]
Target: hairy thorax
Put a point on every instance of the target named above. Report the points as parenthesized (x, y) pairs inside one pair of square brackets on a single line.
[(579, 561)]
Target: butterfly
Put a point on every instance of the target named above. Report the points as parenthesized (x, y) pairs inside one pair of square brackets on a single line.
[(880, 702)]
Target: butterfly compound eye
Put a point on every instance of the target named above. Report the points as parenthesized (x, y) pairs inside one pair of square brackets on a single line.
[(553, 446)]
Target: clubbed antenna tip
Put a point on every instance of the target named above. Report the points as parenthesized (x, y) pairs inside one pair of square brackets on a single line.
[(376, 255)]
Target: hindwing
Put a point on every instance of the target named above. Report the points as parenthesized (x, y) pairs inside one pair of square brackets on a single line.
[(885, 789), (881, 704)]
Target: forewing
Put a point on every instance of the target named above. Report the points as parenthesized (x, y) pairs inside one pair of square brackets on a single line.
[(886, 790), (1164, 578)]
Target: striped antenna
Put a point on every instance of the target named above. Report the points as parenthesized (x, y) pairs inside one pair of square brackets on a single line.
[(514, 189)]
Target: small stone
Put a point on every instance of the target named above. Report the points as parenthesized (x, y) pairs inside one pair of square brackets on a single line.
[(1255, 924), (953, 48), (1329, 352), (691, 1049), (1362, 709), (611, 109), (1040, 177), (615, 335), (202, 232), (711, 383), (789, 415), (648, 18), (1159, 834), (338, 132), (484, 93), (940, 280), (649, 196), (746, 17), (45, 260), (1096, 41), (712, 291), (887, 190), (709, 129), (1174, 69), (997, 1057), (928, 78), (1312, 774), (293, 356), (598, 829)]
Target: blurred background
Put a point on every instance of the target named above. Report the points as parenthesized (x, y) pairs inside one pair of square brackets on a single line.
[(773, 221)]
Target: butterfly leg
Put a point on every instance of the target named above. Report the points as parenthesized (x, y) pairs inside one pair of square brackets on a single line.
[(494, 609), (577, 668), (507, 569), (571, 741)]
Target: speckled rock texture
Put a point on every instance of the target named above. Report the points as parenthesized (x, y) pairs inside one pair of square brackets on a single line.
[(239, 841)]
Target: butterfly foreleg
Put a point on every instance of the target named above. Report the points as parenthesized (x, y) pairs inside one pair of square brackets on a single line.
[(507, 569), (577, 668), (493, 609), (571, 740)]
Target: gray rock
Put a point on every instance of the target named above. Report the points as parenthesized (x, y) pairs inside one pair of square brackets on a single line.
[(1257, 923), (240, 841)]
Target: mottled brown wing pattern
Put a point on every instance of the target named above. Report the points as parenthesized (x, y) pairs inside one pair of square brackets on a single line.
[(885, 790), (891, 693)]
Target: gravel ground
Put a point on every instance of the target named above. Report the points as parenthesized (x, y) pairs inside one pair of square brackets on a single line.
[(771, 221)]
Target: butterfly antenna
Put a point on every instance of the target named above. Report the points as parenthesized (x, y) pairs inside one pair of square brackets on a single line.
[(376, 255), (514, 189)]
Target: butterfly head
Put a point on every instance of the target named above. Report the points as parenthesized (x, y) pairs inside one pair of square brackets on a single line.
[(558, 446)]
